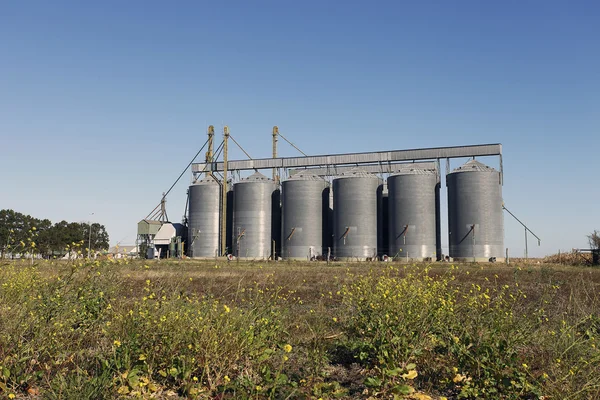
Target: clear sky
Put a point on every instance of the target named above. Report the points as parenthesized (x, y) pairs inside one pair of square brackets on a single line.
[(102, 104)]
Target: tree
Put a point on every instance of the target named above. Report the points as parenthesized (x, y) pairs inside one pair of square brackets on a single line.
[(16, 232), (99, 237), (20, 234), (594, 240)]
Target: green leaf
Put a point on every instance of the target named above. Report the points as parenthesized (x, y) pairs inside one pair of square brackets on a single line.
[(411, 366), (5, 373), (266, 355), (373, 382), (403, 389), (393, 372), (281, 379)]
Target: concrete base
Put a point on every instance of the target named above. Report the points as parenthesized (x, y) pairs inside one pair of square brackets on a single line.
[(477, 260), (411, 260)]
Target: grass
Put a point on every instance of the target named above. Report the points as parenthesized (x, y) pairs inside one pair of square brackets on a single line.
[(203, 330)]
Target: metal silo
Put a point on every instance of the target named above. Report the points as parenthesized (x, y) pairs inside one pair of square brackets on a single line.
[(252, 207), (305, 209), (203, 222), (412, 214), (355, 215), (475, 219)]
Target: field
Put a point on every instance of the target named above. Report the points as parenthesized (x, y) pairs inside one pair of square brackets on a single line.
[(238, 330)]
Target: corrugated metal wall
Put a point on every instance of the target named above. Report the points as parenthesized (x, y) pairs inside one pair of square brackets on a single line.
[(475, 217)]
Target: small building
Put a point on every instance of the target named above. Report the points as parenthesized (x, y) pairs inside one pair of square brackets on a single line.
[(146, 231), (160, 239), (123, 251), (168, 240)]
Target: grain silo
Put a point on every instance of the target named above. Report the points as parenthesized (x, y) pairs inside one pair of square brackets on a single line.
[(475, 218), (412, 214), (252, 207), (203, 223), (355, 215), (305, 210)]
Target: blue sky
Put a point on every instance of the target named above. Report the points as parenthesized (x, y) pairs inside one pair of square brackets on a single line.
[(102, 104)]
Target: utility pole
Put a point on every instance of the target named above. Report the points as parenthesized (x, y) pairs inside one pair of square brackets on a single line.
[(224, 193), (209, 153)]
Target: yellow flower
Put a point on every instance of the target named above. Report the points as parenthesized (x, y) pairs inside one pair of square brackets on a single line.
[(412, 374), (458, 378), (421, 396), (11, 396), (123, 390), (142, 357), (227, 309), (334, 319), (226, 378), (287, 348), (117, 343)]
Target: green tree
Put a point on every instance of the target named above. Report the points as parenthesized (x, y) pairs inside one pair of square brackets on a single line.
[(20, 233), (99, 237)]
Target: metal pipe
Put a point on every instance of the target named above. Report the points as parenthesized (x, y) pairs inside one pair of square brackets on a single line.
[(526, 230), (224, 193), (241, 148), (291, 234), (275, 133), (293, 145)]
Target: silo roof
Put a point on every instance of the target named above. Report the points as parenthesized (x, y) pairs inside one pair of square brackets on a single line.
[(308, 176), (205, 181), (415, 171), (473, 166), (256, 177), (356, 173)]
